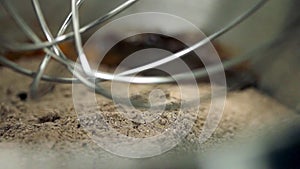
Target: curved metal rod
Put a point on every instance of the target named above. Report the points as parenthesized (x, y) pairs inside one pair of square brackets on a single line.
[(78, 42), (35, 83), (30, 73), (70, 35), (122, 76), (30, 34), (198, 72), (217, 34), (17, 68)]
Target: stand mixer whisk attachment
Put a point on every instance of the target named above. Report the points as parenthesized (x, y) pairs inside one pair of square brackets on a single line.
[(52, 50)]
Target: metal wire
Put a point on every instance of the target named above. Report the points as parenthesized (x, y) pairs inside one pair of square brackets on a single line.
[(70, 35), (83, 73)]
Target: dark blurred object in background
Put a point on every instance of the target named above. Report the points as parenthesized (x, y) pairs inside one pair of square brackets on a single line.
[(287, 156)]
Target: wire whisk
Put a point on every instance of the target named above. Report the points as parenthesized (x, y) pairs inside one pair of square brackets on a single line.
[(83, 73)]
